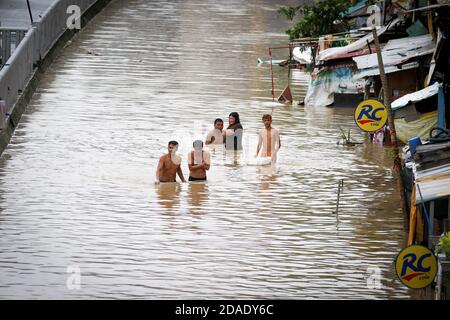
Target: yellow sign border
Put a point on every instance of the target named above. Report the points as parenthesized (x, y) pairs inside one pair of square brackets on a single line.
[(397, 273), (366, 102)]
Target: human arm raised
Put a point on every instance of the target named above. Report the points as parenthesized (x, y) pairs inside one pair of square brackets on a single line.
[(209, 139)]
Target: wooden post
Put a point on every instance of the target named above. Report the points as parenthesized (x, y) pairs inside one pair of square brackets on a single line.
[(387, 102), (430, 22)]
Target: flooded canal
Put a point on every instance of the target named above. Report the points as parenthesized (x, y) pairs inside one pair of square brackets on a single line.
[(76, 183)]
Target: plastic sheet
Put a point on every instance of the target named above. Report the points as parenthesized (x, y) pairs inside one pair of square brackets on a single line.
[(421, 127), (322, 88)]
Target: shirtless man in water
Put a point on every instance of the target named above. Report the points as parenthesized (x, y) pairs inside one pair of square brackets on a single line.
[(198, 161), (269, 139), (169, 165)]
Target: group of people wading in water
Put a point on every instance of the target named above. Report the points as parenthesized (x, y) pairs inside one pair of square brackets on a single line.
[(199, 161)]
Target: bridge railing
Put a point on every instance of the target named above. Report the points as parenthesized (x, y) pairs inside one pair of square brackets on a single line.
[(22, 49), (9, 41)]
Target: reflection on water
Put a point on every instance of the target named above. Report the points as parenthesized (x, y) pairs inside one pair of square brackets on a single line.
[(77, 181), (197, 194), (168, 194)]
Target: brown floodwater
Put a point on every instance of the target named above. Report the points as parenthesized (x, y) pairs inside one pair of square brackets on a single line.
[(76, 182)]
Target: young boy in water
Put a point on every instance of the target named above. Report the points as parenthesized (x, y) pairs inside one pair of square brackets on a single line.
[(215, 136), (198, 161), (169, 165), (269, 139)]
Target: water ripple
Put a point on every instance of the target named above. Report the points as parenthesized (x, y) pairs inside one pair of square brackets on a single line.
[(76, 182)]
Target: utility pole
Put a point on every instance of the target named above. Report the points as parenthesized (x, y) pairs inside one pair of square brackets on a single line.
[(387, 103)]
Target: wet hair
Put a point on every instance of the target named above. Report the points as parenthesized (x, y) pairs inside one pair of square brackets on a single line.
[(218, 120), (198, 144), (173, 142), (236, 140), (267, 116), (237, 121), (235, 115)]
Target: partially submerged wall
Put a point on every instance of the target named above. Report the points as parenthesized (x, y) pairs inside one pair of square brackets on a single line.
[(20, 75)]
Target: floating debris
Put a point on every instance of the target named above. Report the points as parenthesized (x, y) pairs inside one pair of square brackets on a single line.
[(346, 140)]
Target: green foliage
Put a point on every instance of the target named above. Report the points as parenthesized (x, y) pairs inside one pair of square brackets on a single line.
[(444, 245), (317, 19), (289, 12)]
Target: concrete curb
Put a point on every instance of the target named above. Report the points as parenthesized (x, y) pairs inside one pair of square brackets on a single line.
[(19, 107)]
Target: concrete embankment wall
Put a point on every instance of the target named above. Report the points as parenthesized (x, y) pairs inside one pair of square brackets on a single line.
[(20, 75)]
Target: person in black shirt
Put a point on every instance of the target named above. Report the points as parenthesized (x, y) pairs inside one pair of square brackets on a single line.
[(233, 134)]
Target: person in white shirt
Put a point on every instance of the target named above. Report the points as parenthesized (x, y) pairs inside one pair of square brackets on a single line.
[(269, 139), (198, 162), (215, 136)]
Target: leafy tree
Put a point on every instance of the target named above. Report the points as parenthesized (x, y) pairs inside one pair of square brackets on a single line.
[(317, 19)]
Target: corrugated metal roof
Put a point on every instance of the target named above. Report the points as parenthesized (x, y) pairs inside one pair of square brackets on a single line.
[(408, 42), (398, 51), (433, 189), (388, 69), (434, 183), (353, 54), (433, 171), (416, 96), (331, 53)]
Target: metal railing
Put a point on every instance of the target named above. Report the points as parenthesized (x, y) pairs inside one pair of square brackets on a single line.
[(22, 49), (9, 41)]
